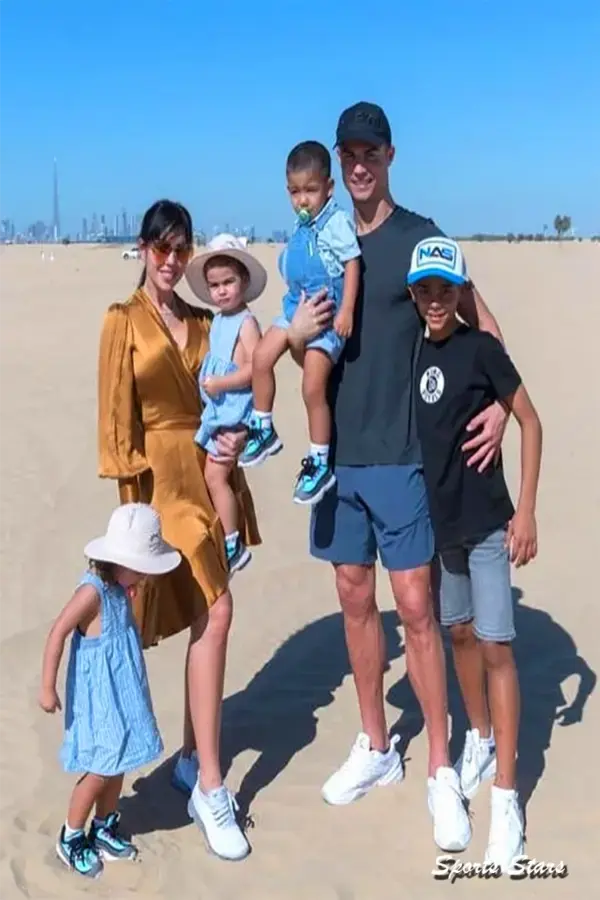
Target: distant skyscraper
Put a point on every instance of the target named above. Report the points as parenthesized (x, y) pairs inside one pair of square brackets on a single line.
[(84, 229), (56, 210)]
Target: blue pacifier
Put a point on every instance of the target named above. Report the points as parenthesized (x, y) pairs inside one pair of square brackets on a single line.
[(304, 216)]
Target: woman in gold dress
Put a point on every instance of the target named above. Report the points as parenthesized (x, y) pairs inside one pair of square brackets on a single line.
[(151, 349)]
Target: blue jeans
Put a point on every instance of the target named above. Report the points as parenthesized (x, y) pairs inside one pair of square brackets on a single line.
[(475, 586)]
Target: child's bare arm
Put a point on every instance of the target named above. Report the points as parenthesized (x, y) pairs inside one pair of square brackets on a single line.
[(79, 611), (248, 341), (522, 532), (344, 319)]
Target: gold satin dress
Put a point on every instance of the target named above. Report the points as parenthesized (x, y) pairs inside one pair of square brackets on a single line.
[(149, 409)]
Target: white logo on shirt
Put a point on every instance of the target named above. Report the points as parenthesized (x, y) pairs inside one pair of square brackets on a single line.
[(432, 384)]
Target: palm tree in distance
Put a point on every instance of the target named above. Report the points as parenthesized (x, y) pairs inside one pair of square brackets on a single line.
[(562, 224)]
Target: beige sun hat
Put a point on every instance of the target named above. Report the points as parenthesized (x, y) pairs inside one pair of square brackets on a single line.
[(134, 540), (225, 245)]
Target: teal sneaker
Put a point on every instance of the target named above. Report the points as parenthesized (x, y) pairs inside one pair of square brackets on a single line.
[(238, 555), (315, 479), (79, 854), (263, 441), (109, 843)]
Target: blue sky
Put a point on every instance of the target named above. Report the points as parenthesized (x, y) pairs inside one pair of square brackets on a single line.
[(493, 106)]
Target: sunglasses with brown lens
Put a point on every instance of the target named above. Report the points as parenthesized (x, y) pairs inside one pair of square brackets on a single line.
[(161, 250)]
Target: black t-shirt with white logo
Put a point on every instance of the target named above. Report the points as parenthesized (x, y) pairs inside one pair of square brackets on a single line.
[(455, 380), (371, 390)]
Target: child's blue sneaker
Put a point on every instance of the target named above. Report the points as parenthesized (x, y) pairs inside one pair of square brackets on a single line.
[(79, 854), (238, 554), (108, 842), (263, 441), (315, 479)]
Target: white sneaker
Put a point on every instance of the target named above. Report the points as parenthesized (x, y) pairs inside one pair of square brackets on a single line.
[(214, 814), (185, 773), (476, 763), (506, 829), (451, 826), (363, 769)]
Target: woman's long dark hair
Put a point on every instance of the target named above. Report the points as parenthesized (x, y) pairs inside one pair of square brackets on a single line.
[(164, 219)]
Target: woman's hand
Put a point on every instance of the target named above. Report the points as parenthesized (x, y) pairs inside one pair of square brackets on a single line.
[(312, 315), (487, 443), (230, 444)]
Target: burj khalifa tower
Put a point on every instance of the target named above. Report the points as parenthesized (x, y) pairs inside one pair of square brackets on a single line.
[(56, 212)]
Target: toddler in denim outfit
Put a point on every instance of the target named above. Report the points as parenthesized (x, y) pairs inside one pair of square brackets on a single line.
[(323, 253)]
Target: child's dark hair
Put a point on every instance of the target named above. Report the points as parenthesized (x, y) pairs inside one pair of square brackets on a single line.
[(164, 219), (104, 570), (231, 261), (309, 156)]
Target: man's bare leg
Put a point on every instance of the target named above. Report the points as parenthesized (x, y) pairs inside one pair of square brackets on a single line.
[(424, 657), (366, 646)]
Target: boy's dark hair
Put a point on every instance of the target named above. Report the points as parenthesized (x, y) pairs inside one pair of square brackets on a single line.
[(224, 260), (312, 156)]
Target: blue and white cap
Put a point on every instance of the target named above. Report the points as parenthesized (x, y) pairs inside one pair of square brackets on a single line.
[(438, 256)]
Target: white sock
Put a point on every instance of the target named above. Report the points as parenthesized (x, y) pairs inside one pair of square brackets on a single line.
[(321, 451), (490, 740), (98, 822), (71, 832), (265, 419)]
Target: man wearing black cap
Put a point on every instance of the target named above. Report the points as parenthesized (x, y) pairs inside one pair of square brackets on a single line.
[(379, 504)]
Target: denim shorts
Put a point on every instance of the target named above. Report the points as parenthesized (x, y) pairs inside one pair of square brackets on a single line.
[(475, 586), (371, 510), (328, 341)]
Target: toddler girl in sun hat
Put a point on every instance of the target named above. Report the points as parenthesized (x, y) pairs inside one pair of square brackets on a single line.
[(227, 276), (110, 727)]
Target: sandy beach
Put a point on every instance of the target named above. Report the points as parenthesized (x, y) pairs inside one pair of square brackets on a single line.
[(290, 714)]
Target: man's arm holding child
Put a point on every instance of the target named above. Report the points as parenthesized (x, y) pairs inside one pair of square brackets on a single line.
[(476, 313), (237, 381), (489, 426), (344, 319)]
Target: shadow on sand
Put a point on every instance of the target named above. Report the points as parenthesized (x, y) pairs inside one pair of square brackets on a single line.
[(275, 714), (546, 656)]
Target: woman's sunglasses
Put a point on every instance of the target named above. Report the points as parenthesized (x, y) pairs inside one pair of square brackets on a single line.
[(161, 250)]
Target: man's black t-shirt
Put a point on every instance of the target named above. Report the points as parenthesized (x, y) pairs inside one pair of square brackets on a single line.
[(371, 388), (456, 379)]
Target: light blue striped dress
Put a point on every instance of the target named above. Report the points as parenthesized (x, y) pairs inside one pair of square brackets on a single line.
[(110, 726), (232, 408)]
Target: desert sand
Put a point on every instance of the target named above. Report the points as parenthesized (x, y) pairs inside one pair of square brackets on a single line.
[(290, 714)]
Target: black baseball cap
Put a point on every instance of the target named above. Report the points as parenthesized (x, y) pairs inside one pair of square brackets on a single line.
[(365, 122)]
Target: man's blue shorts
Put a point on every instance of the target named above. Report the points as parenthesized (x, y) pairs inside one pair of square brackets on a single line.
[(374, 509)]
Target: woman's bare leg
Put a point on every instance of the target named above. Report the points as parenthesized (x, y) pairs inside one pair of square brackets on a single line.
[(206, 673)]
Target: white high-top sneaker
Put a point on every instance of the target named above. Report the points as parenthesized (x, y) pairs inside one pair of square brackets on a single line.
[(451, 826), (364, 769), (506, 839), (476, 763)]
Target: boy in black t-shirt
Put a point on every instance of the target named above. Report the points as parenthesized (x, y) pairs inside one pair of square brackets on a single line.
[(478, 533)]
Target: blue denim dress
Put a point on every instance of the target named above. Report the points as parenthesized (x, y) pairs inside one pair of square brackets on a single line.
[(109, 722), (232, 408), (310, 263)]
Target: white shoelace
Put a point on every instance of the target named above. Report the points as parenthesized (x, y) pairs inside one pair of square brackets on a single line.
[(223, 807)]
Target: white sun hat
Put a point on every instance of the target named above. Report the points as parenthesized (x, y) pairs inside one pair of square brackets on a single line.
[(134, 540), (225, 245)]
